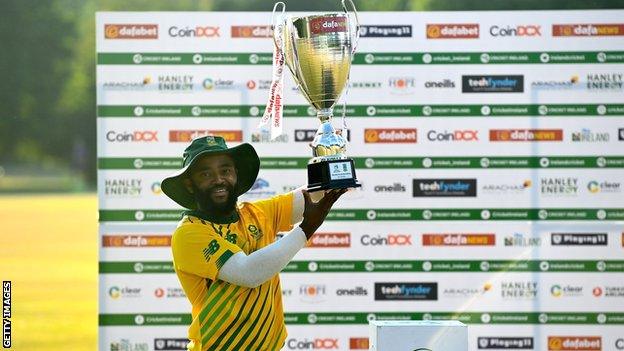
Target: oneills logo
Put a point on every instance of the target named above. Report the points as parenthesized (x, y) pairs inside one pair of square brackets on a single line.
[(131, 31)]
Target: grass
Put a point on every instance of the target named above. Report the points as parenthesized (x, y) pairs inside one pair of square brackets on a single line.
[(49, 250)]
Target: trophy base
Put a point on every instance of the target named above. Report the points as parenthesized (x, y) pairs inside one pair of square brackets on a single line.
[(332, 174)]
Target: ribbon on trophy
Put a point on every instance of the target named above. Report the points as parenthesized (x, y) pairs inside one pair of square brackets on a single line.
[(273, 113)]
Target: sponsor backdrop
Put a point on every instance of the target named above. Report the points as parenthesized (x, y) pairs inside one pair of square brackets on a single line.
[(490, 146)]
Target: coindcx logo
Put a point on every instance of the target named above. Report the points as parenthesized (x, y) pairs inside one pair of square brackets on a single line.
[(314, 344), (517, 31)]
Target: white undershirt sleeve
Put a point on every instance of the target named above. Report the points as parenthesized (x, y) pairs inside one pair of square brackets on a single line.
[(252, 270)]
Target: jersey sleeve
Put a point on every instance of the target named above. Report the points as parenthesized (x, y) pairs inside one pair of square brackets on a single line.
[(278, 211), (200, 252)]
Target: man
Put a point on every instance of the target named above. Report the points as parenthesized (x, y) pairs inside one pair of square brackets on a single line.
[(225, 253)]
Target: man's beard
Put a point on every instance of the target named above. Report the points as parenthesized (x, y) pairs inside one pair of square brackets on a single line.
[(204, 199)]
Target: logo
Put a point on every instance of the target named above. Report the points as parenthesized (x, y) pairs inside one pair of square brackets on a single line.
[(456, 135), (116, 292), (175, 83), (445, 187), (185, 136), (131, 31), (169, 293), (264, 136), (526, 135), (406, 291), (137, 136), (123, 187), (386, 240), (595, 187), (330, 240), (328, 25), (197, 32), (586, 135), (402, 85), (621, 134), (127, 85), (517, 31), (453, 31), (519, 290), (315, 344), (261, 84), (127, 345), (210, 84), (459, 239), (493, 84), (605, 81), (251, 32), (559, 186), (587, 30), (466, 292), (398, 31), (170, 344), (519, 239), (312, 292), (358, 343), (404, 135), (307, 135), (136, 240), (507, 343), (394, 188), (357, 291), (609, 291), (365, 85), (579, 239), (516, 188), (573, 343), (566, 291), (556, 84), (445, 83)]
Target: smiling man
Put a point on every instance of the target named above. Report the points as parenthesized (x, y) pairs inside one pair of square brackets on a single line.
[(225, 253)]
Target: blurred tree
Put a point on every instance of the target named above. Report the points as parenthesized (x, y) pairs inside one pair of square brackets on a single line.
[(47, 65)]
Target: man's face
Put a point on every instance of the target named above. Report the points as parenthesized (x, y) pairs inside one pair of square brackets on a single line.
[(213, 181)]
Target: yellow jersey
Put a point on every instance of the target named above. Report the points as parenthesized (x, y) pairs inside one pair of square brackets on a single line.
[(226, 316)]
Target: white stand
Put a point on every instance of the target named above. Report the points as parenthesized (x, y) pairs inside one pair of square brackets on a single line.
[(418, 336)]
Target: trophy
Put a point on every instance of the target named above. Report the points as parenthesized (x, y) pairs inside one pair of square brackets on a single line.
[(317, 50)]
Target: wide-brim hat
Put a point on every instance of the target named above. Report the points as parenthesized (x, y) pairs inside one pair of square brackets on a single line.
[(245, 159)]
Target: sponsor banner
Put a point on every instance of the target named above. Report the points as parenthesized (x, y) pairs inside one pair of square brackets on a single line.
[(131, 31), (572, 343), (117, 163), (254, 111), (136, 240), (493, 84), (458, 239), (188, 135), (386, 31), (505, 343), (452, 31), (338, 318), (387, 135), (587, 30), (437, 214), (372, 58), (448, 266), (258, 31)]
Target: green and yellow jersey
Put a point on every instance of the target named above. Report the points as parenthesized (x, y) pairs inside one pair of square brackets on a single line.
[(226, 316)]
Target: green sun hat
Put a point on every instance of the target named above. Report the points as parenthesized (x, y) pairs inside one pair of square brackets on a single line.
[(245, 159)]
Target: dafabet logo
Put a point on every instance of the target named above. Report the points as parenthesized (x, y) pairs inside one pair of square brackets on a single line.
[(587, 30), (453, 31), (403, 135), (131, 31)]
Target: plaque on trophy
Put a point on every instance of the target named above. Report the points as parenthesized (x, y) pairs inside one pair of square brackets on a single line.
[(318, 50)]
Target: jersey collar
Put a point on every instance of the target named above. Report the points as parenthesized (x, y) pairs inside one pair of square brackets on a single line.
[(212, 217)]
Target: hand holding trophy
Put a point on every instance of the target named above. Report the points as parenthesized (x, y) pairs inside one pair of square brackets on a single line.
[(318, 50)]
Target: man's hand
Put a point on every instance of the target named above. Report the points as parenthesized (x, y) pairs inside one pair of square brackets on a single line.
[(314, 213)]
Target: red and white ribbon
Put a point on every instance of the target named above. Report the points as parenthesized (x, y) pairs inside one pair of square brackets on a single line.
[(274, 107)]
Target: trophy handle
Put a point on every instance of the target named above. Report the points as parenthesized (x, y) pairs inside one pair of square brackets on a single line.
[(356, 36), (273, 18)]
